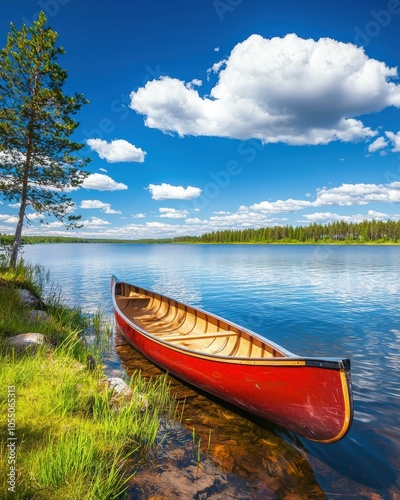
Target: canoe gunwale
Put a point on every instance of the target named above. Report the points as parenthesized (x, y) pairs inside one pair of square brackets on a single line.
[(289, 358)]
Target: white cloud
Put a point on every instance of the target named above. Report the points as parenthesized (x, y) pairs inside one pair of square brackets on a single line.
[(378, 144), (167, 192), (8, 219), (326, 217), (139, 216), (238, 220), (395, 139), (194, 83), (116, 151), (216, 67), (14, 157), (287, 90), (55, 223), (97, 204), (194, 220), (173, 213), (95, 222), (102, 182), (281, 205), (262, 214), (344, 195), (321, 217), (358, 194), (35, 216), (158, 225), (377, 215)]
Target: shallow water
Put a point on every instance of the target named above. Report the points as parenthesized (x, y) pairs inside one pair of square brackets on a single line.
[(313, 300)]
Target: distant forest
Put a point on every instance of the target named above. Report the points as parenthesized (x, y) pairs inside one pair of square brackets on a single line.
[(363, 232), (336, 232), (6, 239)]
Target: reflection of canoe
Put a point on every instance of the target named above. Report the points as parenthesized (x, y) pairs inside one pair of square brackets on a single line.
[(308, 396)]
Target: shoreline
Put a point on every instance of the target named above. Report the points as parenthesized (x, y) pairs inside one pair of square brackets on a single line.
[(57, 375), (288, 243)]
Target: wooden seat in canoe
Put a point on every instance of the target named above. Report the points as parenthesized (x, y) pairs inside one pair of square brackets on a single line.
[(137, 296), (209, 335)]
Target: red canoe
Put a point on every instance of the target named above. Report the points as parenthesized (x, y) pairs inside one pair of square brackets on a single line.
[(309, 396)]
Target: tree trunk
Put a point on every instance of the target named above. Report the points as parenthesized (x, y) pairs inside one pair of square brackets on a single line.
[(24, 194), (17, 238), (24, 199)]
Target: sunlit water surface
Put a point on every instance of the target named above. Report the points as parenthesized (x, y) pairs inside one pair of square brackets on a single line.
[(313, 300)]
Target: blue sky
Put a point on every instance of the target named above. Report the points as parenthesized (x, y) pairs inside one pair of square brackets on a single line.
[(207, 115)]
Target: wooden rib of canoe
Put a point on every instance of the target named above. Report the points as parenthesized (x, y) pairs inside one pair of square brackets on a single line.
[(311, 397)]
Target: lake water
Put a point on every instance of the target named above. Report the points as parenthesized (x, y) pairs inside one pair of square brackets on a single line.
[(340, 301)]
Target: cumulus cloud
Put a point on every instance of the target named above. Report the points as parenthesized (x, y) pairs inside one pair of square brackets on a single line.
[(395, 139), (167, 192), (358, 194), (158, 225), (8, 219), (344, 195), (325, 217), (292, 90), (100, 205), (173, 213), (102, 182), (55, 223), (194, 83), (116, 151), (193, 220), (378, 144), (95, 222), (271, 213), (281, 205)]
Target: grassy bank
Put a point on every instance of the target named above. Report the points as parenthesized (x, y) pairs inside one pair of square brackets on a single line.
[(71, 442)]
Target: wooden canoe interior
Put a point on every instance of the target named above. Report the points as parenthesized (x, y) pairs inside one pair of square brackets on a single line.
[(184, 326)]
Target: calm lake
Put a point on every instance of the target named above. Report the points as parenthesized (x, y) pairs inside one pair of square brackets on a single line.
[(313, 300)]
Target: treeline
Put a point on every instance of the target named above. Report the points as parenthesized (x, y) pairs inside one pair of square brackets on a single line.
[(6, 239), (336, 232), (363, 232)]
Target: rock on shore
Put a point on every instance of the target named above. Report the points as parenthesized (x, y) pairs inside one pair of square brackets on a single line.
[(26, 341)]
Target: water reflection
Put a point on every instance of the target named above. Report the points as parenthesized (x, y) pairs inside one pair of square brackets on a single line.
[(214, 452), (178, 287), (217, 451)]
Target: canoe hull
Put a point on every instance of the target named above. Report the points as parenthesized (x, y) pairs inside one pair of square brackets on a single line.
[(310, 397)]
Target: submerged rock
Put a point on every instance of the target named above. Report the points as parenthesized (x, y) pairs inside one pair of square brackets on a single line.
[(122, 394), (26, 341), (119, 387)]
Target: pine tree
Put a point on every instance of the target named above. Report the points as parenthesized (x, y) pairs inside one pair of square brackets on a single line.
[(38, 161)]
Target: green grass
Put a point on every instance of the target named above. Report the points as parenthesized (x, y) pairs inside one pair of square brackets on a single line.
[(72, 442)]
